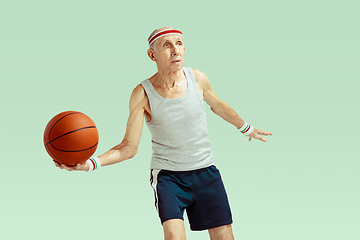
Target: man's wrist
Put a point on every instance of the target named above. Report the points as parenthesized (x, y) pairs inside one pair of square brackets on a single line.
[(94, 163), (246, 129)]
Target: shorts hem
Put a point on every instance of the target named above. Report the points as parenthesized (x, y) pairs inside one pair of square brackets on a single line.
[(209, 226), (162, 221)]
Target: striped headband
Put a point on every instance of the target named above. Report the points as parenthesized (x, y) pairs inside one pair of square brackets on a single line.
[(164, 33)]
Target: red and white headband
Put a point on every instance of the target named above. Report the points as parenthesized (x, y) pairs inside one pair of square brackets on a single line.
[(164, 33)]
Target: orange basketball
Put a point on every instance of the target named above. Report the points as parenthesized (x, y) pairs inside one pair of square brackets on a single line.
[(71, 137)]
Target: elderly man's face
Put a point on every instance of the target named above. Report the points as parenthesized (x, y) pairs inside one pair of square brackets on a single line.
[(169, 52)]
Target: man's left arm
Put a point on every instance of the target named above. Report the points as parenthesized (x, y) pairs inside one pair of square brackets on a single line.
[(221, 108)]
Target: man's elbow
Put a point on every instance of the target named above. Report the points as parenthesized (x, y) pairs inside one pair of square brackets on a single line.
[(134, 151), (130, 149)]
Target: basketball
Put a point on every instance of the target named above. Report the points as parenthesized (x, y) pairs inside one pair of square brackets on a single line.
[(71, 137)]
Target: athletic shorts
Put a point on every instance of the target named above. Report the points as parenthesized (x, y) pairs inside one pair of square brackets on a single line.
[(201, 192)]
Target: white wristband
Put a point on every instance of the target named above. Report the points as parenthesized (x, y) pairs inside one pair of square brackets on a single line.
[(246, 129), (94, 163)]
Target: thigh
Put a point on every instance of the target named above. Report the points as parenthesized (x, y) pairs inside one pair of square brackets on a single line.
[(172, 194), (174, 229), (221, 233), (210, 208)]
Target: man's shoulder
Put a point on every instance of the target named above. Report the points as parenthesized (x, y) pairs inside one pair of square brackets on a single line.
[(139, 99), (138, 93), (139, 88), (200, 77)]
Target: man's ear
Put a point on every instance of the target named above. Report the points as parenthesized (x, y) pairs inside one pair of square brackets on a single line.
[(151, 54)]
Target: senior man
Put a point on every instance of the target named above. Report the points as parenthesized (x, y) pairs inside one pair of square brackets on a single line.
[(183, 171)]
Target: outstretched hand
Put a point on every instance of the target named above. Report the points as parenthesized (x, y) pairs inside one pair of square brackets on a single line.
[(78, 167), (256, 134)]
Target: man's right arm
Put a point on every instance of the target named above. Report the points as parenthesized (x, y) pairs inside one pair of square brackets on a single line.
[(129, 145)]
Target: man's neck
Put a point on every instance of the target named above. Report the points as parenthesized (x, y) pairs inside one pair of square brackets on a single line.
[(168, 79)]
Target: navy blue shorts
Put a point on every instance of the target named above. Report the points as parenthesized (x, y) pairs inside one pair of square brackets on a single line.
[(201, 192)]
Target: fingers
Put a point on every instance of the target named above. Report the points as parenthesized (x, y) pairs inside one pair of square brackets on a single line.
[(63, 166), (265, 133), (59, 165), (56, 164), (68, 168), (78, 167), (256, 134), (262, 139)]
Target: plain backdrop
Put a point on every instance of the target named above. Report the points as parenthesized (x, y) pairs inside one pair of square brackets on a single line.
[(286, 66)]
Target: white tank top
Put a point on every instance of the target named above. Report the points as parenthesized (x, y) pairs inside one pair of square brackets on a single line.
[(180, 139)]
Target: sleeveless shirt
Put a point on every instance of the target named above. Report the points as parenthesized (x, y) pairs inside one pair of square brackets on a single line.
[(180, 139)]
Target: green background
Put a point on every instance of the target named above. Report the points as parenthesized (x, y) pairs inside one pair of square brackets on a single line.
[(289, 67)]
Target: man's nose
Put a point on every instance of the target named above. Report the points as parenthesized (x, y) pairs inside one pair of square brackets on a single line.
[(175, 51)]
